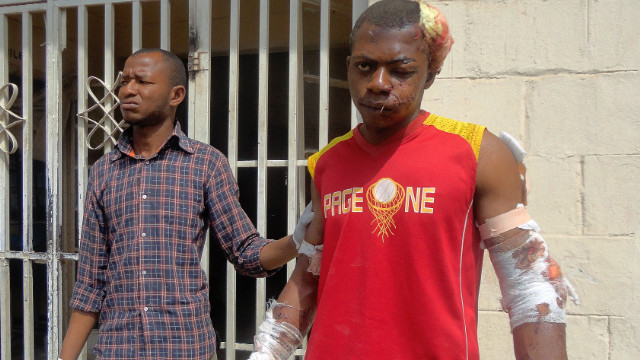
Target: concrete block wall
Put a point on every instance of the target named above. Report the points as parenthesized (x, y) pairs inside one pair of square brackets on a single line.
[(563, 77)]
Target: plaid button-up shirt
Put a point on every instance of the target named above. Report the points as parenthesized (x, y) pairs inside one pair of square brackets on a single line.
[(142, 237)]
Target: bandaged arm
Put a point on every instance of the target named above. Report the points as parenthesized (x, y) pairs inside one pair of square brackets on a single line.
[(290, 317), (532, 284), (498, 190)]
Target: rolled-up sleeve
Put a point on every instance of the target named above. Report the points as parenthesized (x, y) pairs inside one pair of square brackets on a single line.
[(230, 225), (93, 256)]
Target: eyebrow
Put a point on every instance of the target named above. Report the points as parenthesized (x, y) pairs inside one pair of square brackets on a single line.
[(403, 59), (136, 75)]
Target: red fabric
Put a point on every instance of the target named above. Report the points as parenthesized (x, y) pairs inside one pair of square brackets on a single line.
[(399, 298)]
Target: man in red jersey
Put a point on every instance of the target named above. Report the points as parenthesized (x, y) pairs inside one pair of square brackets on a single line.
[(396, 203)]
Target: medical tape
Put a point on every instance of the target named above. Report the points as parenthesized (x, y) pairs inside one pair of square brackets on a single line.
[(504, 222)]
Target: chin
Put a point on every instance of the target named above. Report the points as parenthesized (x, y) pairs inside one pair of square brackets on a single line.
[(129, 121), (377, 116)]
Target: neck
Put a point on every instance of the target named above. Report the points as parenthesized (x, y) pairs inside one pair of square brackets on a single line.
[(148, 140), (377, 136)]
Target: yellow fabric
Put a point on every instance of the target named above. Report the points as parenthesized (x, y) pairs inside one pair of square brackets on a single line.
[(313, 159), (471, 132)]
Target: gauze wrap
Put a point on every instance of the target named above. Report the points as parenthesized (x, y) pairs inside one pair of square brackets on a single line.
[(437, 35), (532, 284), (276, 340)]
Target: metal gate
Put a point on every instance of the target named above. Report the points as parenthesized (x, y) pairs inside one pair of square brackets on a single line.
[(267, 86)]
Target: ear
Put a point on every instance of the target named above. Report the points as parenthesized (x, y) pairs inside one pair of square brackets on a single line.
[(348, 61), (430, 79), (176, 95)]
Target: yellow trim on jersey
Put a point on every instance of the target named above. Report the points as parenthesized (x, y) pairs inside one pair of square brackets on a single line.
[(471, 132), (313, 159)]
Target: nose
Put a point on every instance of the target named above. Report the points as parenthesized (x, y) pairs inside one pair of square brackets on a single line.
[(129, 88), (380, 80)]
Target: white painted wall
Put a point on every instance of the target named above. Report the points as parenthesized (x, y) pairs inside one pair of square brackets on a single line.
[(562, 76)]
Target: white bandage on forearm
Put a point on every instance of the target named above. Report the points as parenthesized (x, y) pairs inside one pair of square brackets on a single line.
[(277, 340), (533, 286), (314, 252)]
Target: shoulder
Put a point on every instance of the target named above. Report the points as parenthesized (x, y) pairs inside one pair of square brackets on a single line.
[(495, 154), (203, 152), (498, 184), (312, 161), (470, 132)]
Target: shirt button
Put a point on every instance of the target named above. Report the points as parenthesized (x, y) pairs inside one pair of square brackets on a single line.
[(146, 308), (144, 196), (144, 234), (147, 162), (144, 272)]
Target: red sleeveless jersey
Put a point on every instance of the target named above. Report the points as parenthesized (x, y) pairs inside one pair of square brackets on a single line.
[(401, 263)]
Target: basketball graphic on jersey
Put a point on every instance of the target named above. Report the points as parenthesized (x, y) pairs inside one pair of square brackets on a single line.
[(384, 198)]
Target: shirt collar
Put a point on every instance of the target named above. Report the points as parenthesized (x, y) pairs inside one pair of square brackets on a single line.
[(124, 146)]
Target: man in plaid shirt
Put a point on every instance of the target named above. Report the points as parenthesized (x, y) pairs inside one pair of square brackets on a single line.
[(149, 204)]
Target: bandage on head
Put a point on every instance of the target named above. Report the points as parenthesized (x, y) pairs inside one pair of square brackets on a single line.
[(436, 33)]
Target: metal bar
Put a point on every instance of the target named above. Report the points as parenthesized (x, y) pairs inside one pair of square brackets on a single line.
[(54, 39), (81, 164), (27, 183), (271, 163), (83, 74), (18, 9), (165, 25), (334, 83), (200, 84), (109, 61), (5, 316), (296, 118), (234, 52), (75, 3), (69, 256), (136, 26), (323, 117), (263, 130), (357, 8), (20, 255)]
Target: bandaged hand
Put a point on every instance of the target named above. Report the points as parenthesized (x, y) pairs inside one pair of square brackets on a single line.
[(301, 226)]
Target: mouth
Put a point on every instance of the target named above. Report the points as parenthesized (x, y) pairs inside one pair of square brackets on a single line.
[(128, 105), (380, 107)]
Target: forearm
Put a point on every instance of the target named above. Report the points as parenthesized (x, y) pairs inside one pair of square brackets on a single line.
[(278, 253), (299, 297), (290, 318), (540, 340), (80, 327)]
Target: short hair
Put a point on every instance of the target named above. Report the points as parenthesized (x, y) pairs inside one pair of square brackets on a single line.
[(178, 74), (388, 15), (401, 14)]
